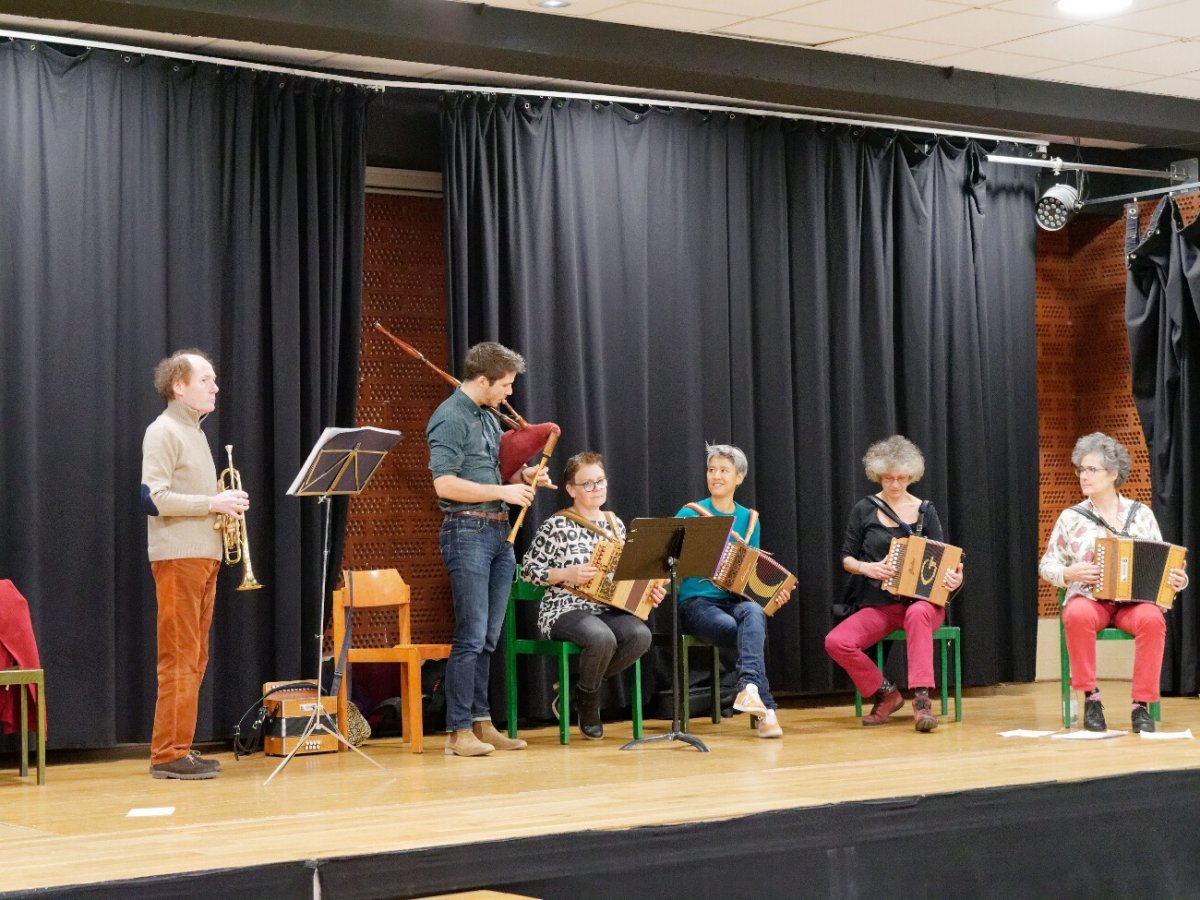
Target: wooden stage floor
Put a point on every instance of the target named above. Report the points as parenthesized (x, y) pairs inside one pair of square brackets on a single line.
[(76, 828)]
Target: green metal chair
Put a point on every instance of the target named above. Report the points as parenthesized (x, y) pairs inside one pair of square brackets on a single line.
[(561, 651), (36, 678), (945, 636), (1104, 634), (686, 643)]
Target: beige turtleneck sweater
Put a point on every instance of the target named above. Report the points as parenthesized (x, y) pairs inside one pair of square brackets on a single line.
[(178, 480)]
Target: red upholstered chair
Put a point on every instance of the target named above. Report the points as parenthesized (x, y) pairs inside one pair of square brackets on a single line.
[(21, 668)]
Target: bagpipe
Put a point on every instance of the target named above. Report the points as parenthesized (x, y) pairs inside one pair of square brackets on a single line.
[(517, 445)]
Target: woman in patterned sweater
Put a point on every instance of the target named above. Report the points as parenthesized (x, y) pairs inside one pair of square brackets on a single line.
[(609, 639), (1102, 465)]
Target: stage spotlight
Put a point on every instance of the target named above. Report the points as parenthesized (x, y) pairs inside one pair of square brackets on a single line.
[(1057, 206)]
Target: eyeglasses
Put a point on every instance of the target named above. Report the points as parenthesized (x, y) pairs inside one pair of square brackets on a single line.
[(1088, 470), (590, 486)]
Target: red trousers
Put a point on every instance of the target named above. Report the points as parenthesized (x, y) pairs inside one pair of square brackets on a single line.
[(847, 643), (1082, 617), (186, 589)]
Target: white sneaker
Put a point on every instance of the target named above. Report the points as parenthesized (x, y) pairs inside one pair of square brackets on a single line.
[(768, 725), (748, 701)]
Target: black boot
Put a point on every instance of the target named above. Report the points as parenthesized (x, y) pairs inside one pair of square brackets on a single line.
[(1093, 714), (587, 704), (1141, 719)]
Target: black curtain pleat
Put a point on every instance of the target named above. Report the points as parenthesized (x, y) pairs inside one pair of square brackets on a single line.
[(1162, 316), (799, 289), (151, 204)]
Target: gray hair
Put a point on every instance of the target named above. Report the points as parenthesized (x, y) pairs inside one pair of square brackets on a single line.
[(729, 452), (1113, 455), (895, 454)]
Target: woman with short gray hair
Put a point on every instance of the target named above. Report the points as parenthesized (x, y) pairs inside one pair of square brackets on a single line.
[(1102, 465), (723, 619)]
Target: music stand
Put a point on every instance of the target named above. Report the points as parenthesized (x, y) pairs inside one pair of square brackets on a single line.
[(340, 464), (686, 547)]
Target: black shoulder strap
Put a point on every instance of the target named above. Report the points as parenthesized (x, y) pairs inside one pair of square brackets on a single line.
[(1133, 508), (1088, 514), (891, 513), (919, 527)]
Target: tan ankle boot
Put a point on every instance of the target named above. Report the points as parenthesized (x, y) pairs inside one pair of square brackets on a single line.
[(488, 733), (464, 743)]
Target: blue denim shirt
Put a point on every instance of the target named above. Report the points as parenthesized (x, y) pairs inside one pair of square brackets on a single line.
[(464, 440)]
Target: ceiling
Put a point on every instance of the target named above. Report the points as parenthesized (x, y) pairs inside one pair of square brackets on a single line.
[(1006, 66), (1154, 47)]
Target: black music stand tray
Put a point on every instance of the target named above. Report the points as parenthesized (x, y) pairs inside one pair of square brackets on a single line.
[(686, 547), (339, 465)]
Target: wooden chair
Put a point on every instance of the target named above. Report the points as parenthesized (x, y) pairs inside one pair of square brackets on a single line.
[(379, 638), (946, 635), (1104, 634), (562, 651), (36, 679)]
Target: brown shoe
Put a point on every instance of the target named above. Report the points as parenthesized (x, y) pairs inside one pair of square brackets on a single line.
[(884, 706), (209, 762), (186, 768), (489, 734), (464, 743), (923, 717)]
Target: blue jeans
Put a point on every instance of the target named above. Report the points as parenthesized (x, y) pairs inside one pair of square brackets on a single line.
[(481, 564), (732, 622)]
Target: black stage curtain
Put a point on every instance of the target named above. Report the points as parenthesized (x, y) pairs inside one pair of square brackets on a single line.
[(151, 204), (1162, 306), (798, 289)]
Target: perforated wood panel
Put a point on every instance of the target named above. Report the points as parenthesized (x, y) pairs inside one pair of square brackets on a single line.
[(395, 522)]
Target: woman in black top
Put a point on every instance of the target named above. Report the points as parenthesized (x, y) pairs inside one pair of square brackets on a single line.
[(895, 464)]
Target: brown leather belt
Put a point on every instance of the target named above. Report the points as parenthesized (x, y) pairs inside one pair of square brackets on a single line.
[(479, 514)]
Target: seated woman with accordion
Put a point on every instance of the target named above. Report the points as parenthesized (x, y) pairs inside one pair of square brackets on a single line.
[(895, 464), (724, 619), (1074, 560), (561, 559)]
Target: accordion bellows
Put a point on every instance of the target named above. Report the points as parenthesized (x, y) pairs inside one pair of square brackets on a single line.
[(631, 596), (1136, 571), (921, 566), (753, 574)]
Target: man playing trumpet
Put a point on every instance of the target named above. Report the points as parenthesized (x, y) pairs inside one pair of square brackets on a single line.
[(181, 498)]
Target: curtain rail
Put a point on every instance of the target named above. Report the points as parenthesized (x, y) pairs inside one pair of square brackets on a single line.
[(381, 84)]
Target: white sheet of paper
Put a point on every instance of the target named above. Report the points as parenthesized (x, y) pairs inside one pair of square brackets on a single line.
[(1167, 735), (1024, 733), (150, 811), (1088, 735)]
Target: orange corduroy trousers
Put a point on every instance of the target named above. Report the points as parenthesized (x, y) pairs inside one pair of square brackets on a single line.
[(186, 591)]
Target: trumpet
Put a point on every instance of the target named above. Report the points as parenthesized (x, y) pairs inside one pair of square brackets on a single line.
[(234, 534)]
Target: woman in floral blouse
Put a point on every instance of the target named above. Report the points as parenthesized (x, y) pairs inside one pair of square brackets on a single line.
[(1102, 465), (609, 639)]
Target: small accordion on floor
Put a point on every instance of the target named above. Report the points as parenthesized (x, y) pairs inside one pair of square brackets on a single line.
[(1136, 571), (630, 596), (753, 574), (921, 566)]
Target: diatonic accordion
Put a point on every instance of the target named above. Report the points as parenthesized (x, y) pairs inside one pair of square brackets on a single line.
[(753, 574), (630, 596), (921, 566), (1136, 571)]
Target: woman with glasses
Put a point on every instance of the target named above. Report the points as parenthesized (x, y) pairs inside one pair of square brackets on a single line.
[(609, 639), (1102, 465), (895, 464), (719, 617)]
